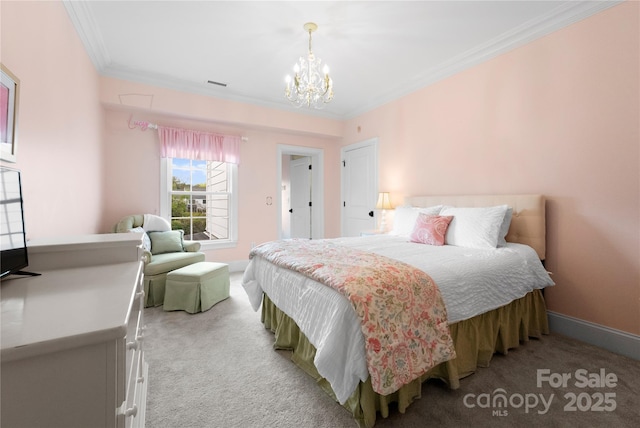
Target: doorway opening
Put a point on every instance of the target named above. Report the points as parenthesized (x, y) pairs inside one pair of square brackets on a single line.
[(313, 218)]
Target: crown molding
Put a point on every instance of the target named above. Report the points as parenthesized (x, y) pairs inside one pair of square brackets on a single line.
[(168, 82), (562, 16), (85, 25)]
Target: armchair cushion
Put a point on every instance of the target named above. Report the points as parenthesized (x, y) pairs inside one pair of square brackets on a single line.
[(158, 262), (170, 241), (163, 263)]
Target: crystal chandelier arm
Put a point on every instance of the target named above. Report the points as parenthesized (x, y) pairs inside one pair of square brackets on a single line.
[(310, 86)]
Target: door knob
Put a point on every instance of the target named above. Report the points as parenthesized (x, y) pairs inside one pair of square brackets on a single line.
[(291, 210), (370, 213)]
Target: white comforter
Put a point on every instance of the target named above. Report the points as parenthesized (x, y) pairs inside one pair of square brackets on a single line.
[(471, 281)]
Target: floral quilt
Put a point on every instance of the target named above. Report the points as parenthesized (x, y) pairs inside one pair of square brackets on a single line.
[(404, 320)]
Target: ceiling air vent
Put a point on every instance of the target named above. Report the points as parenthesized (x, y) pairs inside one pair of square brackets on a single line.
[(213, 82)]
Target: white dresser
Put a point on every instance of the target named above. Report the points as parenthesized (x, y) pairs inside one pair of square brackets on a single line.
[(72, 339)]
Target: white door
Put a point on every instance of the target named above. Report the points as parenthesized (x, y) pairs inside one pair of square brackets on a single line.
[(300, 211), (359, 187)]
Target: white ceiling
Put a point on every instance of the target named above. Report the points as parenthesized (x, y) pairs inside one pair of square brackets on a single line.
[(377, 50)]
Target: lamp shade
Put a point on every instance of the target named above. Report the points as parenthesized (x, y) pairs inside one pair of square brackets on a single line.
[(383, 201)]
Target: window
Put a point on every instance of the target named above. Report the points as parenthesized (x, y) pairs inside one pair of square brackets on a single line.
[(199, 197)]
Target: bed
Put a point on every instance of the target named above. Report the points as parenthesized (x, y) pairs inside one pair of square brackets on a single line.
[(491, 291)]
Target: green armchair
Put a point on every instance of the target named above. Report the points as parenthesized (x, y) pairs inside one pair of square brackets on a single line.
[(165, 250)]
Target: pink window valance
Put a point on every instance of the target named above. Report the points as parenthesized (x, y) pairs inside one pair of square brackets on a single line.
[(190, 144)]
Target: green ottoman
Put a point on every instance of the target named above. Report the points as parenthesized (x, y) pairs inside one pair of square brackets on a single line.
[(196, 287)]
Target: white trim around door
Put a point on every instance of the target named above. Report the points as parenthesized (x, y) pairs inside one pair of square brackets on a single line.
[(317, 186)]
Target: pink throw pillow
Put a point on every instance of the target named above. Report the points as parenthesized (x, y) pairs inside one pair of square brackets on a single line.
[(430, 229)]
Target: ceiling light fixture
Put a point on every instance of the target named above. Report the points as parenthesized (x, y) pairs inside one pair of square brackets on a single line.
[(310, 87)]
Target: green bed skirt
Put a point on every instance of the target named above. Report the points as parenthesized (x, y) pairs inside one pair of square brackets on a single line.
[(475, 340)]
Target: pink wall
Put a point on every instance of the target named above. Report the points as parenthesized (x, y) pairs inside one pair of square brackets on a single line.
[(132, 168), (132, 158), (59, 122), (559, 116), (117, 93)]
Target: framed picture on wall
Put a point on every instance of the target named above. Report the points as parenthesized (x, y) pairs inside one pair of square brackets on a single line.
[(9, 95)]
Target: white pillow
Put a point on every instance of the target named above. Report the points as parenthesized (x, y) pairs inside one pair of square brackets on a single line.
[(504, 228), (154, 223), (404, 218), (474, 227), (146, 242)]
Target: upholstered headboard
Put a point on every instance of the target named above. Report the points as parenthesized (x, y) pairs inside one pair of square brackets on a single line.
[(528, 221)]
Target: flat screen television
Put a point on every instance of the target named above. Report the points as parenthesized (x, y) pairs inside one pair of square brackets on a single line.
[(13, 241)]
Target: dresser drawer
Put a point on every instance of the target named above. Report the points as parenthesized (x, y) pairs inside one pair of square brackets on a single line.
[(133, 407), (81, 373), (135, 379), (136, 401), (131, 343)]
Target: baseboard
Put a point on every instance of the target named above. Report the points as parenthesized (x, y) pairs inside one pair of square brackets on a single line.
[(613, 340)]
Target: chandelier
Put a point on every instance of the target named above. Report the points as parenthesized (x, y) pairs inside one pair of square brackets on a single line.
[(309, 87)]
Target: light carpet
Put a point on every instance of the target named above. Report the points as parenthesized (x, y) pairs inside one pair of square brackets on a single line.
[(219, 369)]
